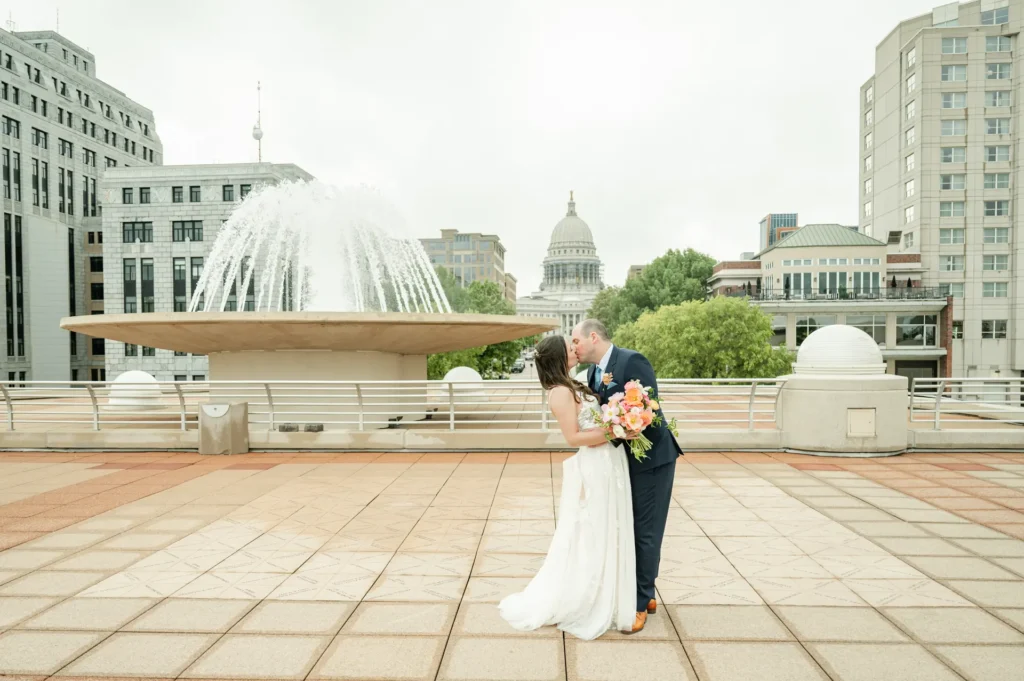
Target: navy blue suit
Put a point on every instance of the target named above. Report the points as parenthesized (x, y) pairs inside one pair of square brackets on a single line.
[(651, 479)]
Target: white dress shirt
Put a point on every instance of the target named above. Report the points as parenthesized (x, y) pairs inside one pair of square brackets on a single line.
[(602, 366)]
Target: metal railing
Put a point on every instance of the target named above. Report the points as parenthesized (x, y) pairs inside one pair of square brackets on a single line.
[(799, 295), (947, 403), (732, 404)]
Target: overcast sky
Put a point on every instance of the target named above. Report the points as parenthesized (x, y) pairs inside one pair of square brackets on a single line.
[(678, 124)]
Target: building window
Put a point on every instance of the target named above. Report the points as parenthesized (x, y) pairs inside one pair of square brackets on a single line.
[(911, 83), (954, 154), (954, 46), (869, 94), (99, 347), (954, 72), (872, 325), (869, 117), (868, 184), (995, 17), (911, 110), (994, 289), (868, 164), (243, 190), (908, 240), (869, 140), (954, 100), (997, 98), (144, 195), (958, 330), (909, 188), (997, 71), (228, 192), (909, 213), (952, 290), (131, 350), (997, 235), (805, 326), (911, 58), (187, 230), (178, 194), (132, 232), (997, 208), (997, 180), (951, 263), (194, 194), (148, 301), (951, 209), (995, 263), (911, 136), (180, 285), (131, 299), (954, 127), (866, 282), (96, 291), (867, 209), (997, 154), (951, 236), (910, 162), (126, 196), (148, 352), (916, 330), (952, 182), (993, 329), (997, 43), (95, 263), (997, 126)]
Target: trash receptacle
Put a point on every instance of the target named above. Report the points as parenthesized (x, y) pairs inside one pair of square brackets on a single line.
[(224, 428)]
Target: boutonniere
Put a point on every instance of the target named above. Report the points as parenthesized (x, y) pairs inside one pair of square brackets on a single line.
[(606, 378)]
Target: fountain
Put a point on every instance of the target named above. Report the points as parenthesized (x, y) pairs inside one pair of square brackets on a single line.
[(333, 289)]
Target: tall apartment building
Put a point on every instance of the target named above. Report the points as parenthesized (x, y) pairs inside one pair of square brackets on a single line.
[(62, 127), (775, 226), (940, 166), (159, 224), (472, 257)]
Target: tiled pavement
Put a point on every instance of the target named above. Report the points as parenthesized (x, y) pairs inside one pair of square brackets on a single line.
[(388, 567)]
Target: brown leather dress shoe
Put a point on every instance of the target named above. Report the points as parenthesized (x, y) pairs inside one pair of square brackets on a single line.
[(638, 623), (652, 607)]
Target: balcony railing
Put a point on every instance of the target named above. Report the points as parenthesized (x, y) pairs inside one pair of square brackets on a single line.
[(921, 293)]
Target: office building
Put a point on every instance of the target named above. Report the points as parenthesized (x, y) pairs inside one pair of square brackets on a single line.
[(775, 226), (472, 256)]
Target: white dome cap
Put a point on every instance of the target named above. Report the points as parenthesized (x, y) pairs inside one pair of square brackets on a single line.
[(839, 349), (571, 230)]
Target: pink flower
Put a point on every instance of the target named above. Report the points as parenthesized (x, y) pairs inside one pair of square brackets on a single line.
[(634, 421)]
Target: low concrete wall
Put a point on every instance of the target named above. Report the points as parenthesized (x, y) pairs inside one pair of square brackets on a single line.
[(996, 439)]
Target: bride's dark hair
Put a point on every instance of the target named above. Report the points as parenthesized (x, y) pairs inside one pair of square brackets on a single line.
[(552, 364)]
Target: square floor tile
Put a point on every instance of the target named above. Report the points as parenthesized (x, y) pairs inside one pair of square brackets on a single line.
[(409, 658), (141, 541), (14, 609), (958, 567), (871, 662), (194, 616), (796, 591), (707, 591), (1012, 615), (985, 663), (98, 560), (24, 559), (134, 654), (953, 625), (513, 564), (417, 588), (424, 619), (717, 661), (140, 584), (503, 659), (295, 617), (909, 546), (226, 585), (998, 548), (51, 584), (826, 623), (320, 586), (259, 657), (492, 589), (621, 661), (90, 614), (904, 593), (728, 622), (991, 594), (484, 619), (42, 652), (452, 564)]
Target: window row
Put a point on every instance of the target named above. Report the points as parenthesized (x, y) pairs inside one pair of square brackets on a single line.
[(958, 126), (142, 232), (804, 262), (195, 194), (989, 263), (993, 43), (958, 100), (993, 154), (911, 330), (950, 73), (957, 235), (958, 181)]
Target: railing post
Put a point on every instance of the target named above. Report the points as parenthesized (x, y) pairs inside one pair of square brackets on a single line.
[(451, 406), (181, 405), (359, 404), (543, 409), (270, 406), (95, 407), (10, 406), (750, 405), (913, 391), (939, 389)]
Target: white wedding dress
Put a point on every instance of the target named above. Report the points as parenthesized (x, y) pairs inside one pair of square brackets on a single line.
[(587, 584)]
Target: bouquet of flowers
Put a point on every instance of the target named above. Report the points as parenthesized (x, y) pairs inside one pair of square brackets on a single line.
[(628, 414)]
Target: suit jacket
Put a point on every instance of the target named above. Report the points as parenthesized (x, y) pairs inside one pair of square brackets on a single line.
[(629, 365)]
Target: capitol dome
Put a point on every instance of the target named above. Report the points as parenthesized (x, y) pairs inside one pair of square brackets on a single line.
[(571, 230), (839, 349)]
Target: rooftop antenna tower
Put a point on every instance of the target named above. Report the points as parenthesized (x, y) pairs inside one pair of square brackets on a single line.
[(257, 131)]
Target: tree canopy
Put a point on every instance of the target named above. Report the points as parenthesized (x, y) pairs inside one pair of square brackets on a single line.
[(676, 277), (720, 338)]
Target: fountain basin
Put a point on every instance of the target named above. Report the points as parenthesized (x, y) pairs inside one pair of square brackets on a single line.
[(302, 346)]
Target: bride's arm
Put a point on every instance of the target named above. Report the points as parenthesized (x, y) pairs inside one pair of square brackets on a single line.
[(565, 410)]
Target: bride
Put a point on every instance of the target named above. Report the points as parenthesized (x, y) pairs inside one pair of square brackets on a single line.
[(587, 584)]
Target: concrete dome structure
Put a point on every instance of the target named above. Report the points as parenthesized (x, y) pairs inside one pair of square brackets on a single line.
[(839, 350), (572, 230), (134, 390)]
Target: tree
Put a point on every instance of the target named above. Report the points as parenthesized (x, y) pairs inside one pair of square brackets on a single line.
[(480, 297), (721, 338), (676, 277)]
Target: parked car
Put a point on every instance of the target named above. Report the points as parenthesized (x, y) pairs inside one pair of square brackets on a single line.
[(518, 366)]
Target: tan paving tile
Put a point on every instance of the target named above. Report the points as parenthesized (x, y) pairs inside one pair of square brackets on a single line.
[(904, 592), (14, 609), (954, 625), (165, 655), (227, 585), (492, 589), (295, 617), (417, 588), (719, 661), (993, 594), (51, 584), (959, 567), (827, 623), (503, 659), (323, 586), (139, 584), (440, 564), (984, 663), (258, 656), (42, 652), (425, 619), (23, 559), (98, 560), (623, 661), (727, 622), (997, 548), (90, 614), (483, 619), (872, 661), (798, 591), (409, 658), (192, 616)]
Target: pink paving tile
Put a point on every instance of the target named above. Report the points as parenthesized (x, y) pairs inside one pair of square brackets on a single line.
[(160, 466), (815, 467), (250, 467), (965, 467)]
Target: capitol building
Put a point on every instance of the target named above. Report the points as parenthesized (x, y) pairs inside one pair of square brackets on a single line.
[(572, 275)]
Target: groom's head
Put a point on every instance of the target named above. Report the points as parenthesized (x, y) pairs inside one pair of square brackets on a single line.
[(590, 341)]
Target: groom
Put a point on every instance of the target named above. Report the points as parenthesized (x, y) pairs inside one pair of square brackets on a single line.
[(650, 479)]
